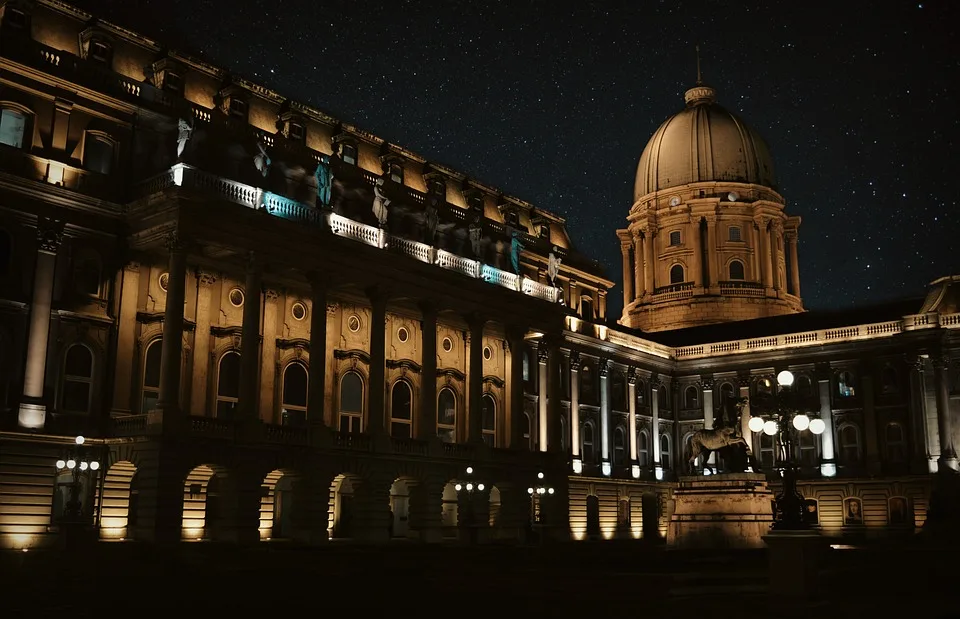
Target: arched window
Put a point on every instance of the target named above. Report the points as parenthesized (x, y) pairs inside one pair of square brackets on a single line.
[(151, 377), (850, 444), (351, 402), (846, 387), (488, 419), (736, 269), (527, 435), (643, 444), (665, 460), (77, 386), (586, 444), (896, 443), (676, 274), (588, 383), (401, 410), (98, 153), (228, 385), (663, 402), (447, 415), (641, 393), (726, 392), (804, 386), (6, 252), (619, 447), (13, 126), (889, 382), (808, 449), (87, 275), (586, 307), (294, 395), (691, 398), (619, 399)]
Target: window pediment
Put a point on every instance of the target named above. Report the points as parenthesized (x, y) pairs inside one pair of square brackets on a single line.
[(97, 45)]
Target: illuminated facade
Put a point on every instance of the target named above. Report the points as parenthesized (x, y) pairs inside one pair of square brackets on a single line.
[(271, 324)]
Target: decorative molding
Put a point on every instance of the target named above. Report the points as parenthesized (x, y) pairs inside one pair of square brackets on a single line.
[(147, 318), (631, 375), (604, 367), (706, 383), (332, 308), (49, 234), (206, 278), (271, 294), (543, 352), (218, 331), (297, 342), (353, 353), (575, 361), (494, 380), (406, 365), (133, 266), (452, 373)]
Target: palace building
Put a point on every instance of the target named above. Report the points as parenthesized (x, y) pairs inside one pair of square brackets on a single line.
[(270, 324)]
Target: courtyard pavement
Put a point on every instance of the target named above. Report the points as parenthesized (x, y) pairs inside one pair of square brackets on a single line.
[(561, 580)]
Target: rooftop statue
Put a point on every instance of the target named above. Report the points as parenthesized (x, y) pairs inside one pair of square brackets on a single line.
[(184, 130), (553, 266), (515, 248), (380, 201), (324, 178), (475, 232), (262, 160)]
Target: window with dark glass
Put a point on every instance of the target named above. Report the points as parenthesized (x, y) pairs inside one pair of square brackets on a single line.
[(675, 238), (172, 82), (488, 414), (15, 18), (691, 398), (845, 385), (98, 153), (351, 402), (663, 402), (665, 460), (896, 443), (808, 449), (676, 274), (586, 444), (238, 108), (401, 410), (889, 382), (349, 154), (734, 233), (294, 396), (396, 173), (86, 276), (6, 252), (99, 51), (151, 377), (297, 131), (447, 415), (850, 444), (588, 384), (77, 380), (619, 447), (619, 388), (643, 445), (13, 124), (736, 270), (228, 385)]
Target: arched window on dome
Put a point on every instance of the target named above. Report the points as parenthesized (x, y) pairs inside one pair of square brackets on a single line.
[(736, 270), (676, 274)]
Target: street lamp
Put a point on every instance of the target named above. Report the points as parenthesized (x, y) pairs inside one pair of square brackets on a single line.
[(785, 420), (73, 462), (465, 498), (537, 493)]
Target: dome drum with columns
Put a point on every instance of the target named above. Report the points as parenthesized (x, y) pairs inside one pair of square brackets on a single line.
[(707, 239)]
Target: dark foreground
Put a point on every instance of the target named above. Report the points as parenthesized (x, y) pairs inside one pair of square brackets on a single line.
[(569, 580)]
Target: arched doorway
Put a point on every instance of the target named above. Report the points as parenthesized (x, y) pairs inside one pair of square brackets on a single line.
[(119, 503), (400, 508), (277, 505), (593, 517), (204, 503), (341, 506), (450, 511)]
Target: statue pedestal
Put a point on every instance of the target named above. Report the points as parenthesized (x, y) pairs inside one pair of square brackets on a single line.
[(794, 562), (721, 511)]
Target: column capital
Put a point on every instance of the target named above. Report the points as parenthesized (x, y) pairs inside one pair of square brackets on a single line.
[(515, 332), (49, 235), (706, 382), (604, 367), (823, 371), (206, 278), (575, 361), (132, 265), (378, 295), (940, 362), (744, 379), (543, 351), (174, 242), (271, 294), (916, 362), (791, 234), (631, 375)]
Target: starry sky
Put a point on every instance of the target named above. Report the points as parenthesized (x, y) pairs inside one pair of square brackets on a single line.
[(553, 102)]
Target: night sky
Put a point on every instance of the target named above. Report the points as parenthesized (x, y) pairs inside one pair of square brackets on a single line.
[(857, 100)]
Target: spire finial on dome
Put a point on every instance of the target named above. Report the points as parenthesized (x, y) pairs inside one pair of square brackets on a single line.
[(699, 78), (700, 93)]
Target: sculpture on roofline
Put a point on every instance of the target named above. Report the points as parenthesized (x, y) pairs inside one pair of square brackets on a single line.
[(553, 265), (380, 201), (262, 160), (324, 178), (475, 233), (515, 248), (184, 130)]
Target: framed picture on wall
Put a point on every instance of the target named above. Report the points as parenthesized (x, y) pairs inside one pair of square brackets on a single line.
[(811, 512), (898, 512), (852, 511)]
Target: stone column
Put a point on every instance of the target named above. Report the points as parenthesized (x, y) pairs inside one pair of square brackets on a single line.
[(870, 431), (711, 250), (378, 341), (601, 304), (706, 384), (271, 376), (317, 377), (948, 454), (922, 454), (201, 345), (171, 351), (639, 284), (764, 258), (124, 381), (515, 386), (475, 379), (649, 273), (632, 420), (573, 301), (792, 239), (575, 410), (554, 413), (699, 278), (756, 268), (33, 411), (543, 355), (776, 227), (247, 405), (655, 426), (743, 381), (627, 274), (604, 368), (427, 423), (828, 462)]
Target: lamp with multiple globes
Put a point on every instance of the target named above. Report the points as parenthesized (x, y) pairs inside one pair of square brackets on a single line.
[(76, 465), (785, 420), (537, 493)]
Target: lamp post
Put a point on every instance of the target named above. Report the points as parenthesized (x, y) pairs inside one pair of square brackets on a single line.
[(466, 491), (537, 494), (77, 465), (785, 420)]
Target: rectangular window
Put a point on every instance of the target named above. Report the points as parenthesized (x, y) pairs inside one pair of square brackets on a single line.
[(735, 233), (99, 51), (674, 238), (12, 126), (350, 154), (349, 423), (297, 132), (172, 82), (396, 173), (238, 108)]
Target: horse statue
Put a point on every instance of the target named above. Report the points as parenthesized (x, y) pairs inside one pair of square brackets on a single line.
[(706, 441), (725, 438)]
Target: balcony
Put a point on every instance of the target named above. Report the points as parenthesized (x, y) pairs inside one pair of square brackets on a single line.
[(189, 177)]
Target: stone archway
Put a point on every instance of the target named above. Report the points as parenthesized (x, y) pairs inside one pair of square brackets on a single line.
[(400, 493), (449, 511), (341, 512), (205, 494), (119, 502), (277, 505)]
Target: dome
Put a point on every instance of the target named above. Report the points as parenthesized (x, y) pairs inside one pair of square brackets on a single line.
[(703, 142)]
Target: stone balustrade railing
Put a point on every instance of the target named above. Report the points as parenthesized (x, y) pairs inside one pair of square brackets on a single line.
[(183, 175)]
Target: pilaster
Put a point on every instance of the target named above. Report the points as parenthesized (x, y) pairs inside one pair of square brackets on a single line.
[(124, 382), (575, 411), (828, 462), (378, 333), (605, 465), (427, 423), (475, 379), (250, 350), (316, 391), (948, 454), (201, 343), (269, 374), (169, 413), (515, 340)]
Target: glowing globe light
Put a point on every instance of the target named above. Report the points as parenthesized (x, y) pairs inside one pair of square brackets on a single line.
[(83, 466), (817, 426), (71, 464), (529, 490), (550, 490), (469, 487), (770, 428), (785, 378), (539, 475), (79, 440), (469, 470), (61, 464), (756, 424), (480, 487), (801, 422), (458, 487), (94, 465)]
